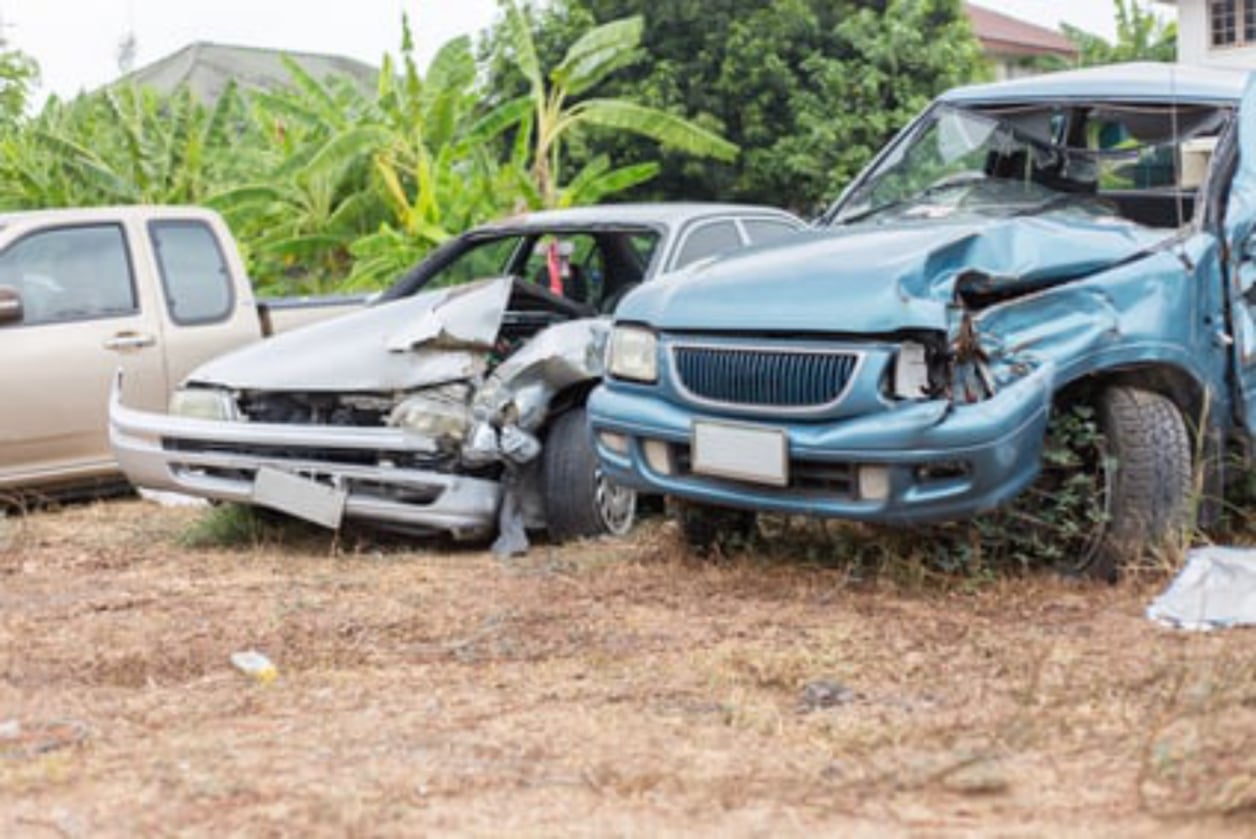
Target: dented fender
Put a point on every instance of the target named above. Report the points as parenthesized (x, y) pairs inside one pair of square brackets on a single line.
[(520, 390), (1160, 309)]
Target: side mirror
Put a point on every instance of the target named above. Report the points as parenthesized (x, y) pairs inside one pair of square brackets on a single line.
[(10, 305)]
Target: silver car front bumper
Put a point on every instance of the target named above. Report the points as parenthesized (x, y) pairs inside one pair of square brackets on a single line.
[(364, 466)]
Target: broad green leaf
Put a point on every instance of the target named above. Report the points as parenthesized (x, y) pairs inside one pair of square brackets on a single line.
[(617, 180), (522, 47), (492, 124), (668, 129), (303, 246), (323, 103), (346, 147), (238, 196), (597, 54)]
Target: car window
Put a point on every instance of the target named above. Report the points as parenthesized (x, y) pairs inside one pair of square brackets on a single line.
[(571, 265), (643, 246), (762, 231), (482, 261), (72, 273), (707, 240), (194, 272)]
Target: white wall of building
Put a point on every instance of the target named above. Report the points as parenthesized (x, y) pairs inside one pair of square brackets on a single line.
[(1195, 38)]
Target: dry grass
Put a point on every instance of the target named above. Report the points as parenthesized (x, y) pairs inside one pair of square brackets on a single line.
[(594, 689)]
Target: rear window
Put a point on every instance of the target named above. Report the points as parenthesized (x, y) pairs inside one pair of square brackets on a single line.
[(193, 272), (765, 231), (708, 240)]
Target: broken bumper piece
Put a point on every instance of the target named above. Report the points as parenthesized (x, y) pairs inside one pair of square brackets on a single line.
[(915, 463), (321, 473)]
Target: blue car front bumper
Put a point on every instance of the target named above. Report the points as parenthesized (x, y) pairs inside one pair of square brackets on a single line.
[(931, 461)]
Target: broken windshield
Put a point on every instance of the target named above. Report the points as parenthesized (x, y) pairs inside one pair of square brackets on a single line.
[(1141, 163)]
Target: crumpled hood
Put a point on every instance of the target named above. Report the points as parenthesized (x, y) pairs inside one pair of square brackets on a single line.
[(880, 279), (431, 338)]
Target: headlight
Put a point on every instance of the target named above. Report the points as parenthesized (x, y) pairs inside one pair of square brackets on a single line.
[(634, 354), (911, 371), (439, 414), (203, 403)]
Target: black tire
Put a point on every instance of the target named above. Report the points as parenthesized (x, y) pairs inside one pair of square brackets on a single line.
[(1150, 486), (705, 527), (580, 502)]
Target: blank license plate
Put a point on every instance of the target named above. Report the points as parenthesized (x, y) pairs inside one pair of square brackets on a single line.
[(300, 497), (741, 452)]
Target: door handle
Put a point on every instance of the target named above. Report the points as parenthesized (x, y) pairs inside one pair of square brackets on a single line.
[(124, 341)]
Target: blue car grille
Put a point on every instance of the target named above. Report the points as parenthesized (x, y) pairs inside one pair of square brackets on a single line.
[(764, 377)]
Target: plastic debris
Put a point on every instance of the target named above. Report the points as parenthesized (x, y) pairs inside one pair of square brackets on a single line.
[(1216, 590), (256, 665)]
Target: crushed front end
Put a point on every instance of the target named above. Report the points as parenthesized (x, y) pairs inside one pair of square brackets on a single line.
[(913, 429), (420, 415)]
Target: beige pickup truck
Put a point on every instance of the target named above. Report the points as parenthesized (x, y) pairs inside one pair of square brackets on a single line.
[(150, 291)]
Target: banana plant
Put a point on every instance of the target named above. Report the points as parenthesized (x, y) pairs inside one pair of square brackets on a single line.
[(558, 110), (121, 146)]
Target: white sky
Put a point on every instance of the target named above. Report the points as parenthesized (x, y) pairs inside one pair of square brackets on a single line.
[(75, 41)]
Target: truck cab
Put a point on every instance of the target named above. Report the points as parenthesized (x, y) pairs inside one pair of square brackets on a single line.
[(83, 293)]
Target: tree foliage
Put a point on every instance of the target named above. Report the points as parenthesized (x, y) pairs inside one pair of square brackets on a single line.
[(808, 89), (18, 75), (556, 109), (1141, 35), (322, 180)]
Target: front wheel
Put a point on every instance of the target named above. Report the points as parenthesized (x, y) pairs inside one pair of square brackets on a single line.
[(580, 501), (1150, 451)]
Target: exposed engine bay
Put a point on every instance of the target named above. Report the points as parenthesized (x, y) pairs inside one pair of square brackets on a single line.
[(491, 362)]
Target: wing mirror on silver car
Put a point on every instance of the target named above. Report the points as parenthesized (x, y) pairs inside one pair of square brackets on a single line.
[(10, 305)]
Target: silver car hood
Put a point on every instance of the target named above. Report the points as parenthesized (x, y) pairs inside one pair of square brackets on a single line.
[(431, 338)]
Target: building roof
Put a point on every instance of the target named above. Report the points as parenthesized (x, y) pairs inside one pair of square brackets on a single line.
[(1142, 81), (1002, 34), (206, 68)]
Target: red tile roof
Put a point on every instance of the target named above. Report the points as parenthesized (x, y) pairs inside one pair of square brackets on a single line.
[(1006, 35)]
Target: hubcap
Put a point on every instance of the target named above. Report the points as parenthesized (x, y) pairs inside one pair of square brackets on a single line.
[(616, 505)]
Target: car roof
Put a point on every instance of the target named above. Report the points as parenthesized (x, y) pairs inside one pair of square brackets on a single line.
[(1139, 81), (632, 215), (74, 215)]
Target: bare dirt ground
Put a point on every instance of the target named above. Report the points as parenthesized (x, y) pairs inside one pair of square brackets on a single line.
[(604, 688)]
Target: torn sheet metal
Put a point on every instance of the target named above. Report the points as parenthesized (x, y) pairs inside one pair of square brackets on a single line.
[(361, 351), (468, 318), (519, 391), (522, 508), (1216, 590), (890, 279)]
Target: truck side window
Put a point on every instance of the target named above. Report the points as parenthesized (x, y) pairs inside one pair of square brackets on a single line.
[(194, 272), (708, 240), (762, 231), (71, 273)]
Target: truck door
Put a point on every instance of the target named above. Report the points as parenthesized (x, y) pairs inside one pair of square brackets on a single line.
[(1241, 271), (203, 316), (82, 320)]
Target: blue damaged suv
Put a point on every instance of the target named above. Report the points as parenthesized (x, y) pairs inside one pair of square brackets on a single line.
[(1078, 238)]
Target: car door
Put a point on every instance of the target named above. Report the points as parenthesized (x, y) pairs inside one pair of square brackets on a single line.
[(1240, 232), (201, 316), (83, 318)]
